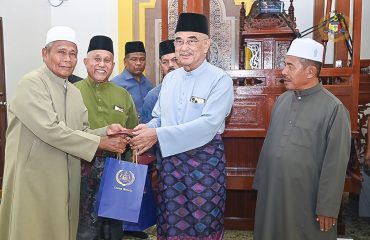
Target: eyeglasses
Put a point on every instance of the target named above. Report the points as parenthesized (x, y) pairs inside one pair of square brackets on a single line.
[(192, 42)]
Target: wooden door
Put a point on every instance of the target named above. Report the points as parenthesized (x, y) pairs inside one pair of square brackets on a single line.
[(3, 119)]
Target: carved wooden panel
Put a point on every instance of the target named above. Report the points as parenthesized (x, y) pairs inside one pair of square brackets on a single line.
[(265, 53), (249, 111), (280, 50)]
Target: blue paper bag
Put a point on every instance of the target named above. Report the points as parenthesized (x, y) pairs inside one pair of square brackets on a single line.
[(121, 190), (147, 217)]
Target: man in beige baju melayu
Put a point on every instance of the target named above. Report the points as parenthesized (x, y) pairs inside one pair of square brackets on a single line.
[(47, 136)]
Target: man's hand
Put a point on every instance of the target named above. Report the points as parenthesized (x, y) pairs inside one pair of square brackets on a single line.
[(145, 138), (140, 127), (115, 144), (367, 159), (114, 128), (326, 223)]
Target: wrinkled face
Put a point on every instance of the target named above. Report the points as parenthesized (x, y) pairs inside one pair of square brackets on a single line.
[(191, 49), (99, 65), (168, 63), (296, 75), (60, 57), (135, 63)]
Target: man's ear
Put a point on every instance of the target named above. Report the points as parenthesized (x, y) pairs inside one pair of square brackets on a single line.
[(43, 53), (207, 45), (85, 61), (311, 71)]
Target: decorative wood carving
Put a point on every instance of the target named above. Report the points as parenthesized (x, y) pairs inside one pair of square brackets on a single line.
[(265, 22), (269, 21), (272, 31)]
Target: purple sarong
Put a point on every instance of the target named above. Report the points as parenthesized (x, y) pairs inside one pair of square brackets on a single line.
[(91, 226), (192, 194)]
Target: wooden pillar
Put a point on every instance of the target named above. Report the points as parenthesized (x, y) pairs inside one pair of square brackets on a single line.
[(164, 6), (197, 6), (357, 17), (318, 14), (340, 49), (180, 6)]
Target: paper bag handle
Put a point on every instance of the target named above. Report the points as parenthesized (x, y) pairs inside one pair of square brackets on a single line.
[(134, 156)]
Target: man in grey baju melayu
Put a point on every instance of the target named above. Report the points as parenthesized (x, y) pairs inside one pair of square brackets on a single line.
[(302, 165)]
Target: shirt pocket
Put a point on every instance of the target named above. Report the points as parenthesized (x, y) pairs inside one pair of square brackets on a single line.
[(304, 133), (118, 117), (195, 110), (33, 152)]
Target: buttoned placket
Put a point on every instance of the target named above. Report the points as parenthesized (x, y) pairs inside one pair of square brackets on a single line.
[(99, 103), (98, 96), (186, 82), (291, 120)]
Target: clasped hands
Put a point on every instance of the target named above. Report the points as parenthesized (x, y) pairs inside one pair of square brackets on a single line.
[(114, 141), (144, 138), (141, 138)]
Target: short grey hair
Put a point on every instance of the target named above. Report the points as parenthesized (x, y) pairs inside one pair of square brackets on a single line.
[(308, 62)]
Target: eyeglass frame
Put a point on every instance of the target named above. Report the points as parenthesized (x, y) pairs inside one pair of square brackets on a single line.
[(191, 41)]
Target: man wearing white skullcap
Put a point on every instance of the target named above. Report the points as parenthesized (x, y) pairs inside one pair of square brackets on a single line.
[(47, 136), (302, 165)]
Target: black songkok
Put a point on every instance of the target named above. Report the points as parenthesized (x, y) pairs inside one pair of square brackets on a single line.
[(166, 47), (101, 43), (192, 22), (135, 46)]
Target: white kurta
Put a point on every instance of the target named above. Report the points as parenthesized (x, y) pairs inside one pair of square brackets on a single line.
[(46, 137)]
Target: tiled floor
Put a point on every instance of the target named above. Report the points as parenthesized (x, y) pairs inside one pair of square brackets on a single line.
[(356, 228), (229, 235)]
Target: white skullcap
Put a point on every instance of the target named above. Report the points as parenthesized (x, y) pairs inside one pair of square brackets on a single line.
[(60, 33), (306, 48)]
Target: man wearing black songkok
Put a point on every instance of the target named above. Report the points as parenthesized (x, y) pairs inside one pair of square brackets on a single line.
[(106, 103), (132, 78), (189, 118), (134, 81), (168, 63)]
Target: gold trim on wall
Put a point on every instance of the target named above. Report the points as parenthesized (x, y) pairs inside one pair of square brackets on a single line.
[(125, 25), (125, 32), (142, 8)]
